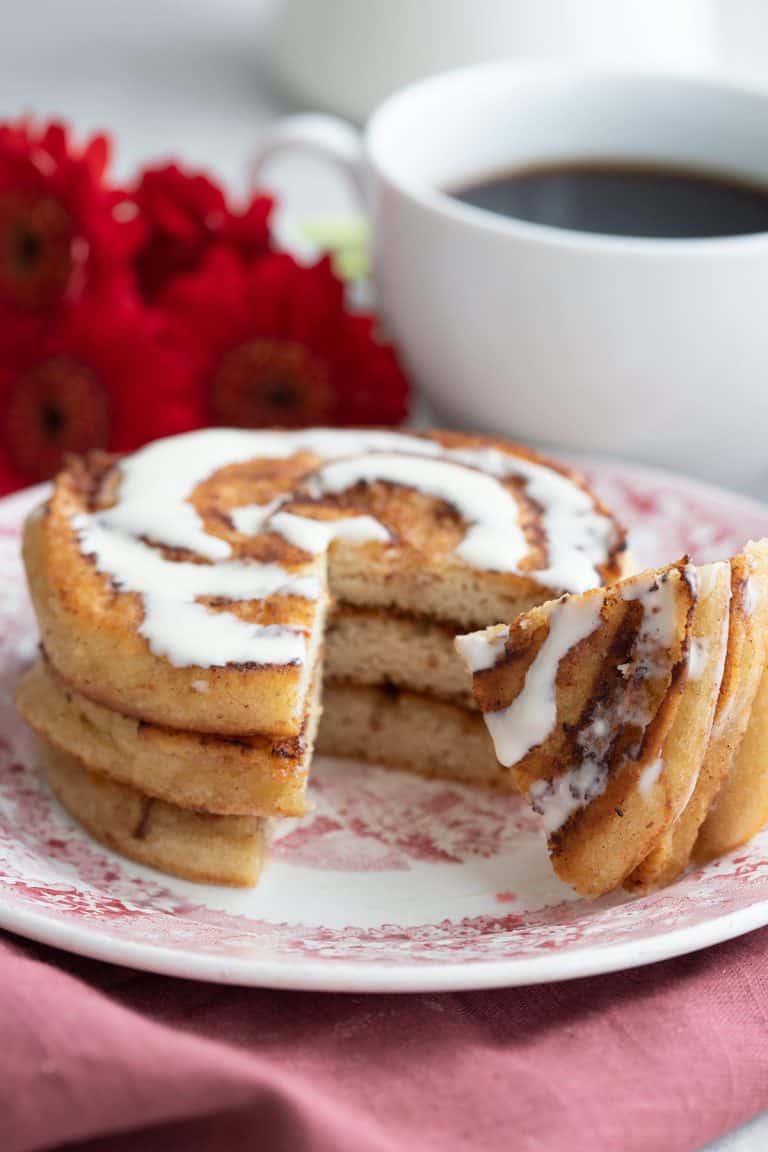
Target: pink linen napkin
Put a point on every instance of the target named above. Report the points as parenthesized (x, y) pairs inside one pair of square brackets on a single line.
[(665, 1058)]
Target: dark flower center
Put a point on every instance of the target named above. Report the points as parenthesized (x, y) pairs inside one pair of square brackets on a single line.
[(264, 382), (282, 394), (57, 407), (29, 248), (36, 238), (52, 419)]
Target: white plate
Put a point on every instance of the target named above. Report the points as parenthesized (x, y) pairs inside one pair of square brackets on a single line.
[(393, 883)]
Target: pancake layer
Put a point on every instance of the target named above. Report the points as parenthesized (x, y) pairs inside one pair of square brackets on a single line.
[(208, 849), (213, 774), (377, 646), (408, 730)]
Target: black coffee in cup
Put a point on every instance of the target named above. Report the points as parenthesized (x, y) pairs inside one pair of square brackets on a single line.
[(624, 199)]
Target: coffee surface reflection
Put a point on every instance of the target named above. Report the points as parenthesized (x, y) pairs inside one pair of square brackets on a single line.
[(624, 199)]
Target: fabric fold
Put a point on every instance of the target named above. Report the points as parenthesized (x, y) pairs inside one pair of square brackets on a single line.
[(666, 1057)]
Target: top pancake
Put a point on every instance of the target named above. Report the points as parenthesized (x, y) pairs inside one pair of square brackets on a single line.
[(186, 585)]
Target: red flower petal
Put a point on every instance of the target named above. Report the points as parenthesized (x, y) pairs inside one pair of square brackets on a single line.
[(186, 214), (101, 376), (52, 191), (309, 359)]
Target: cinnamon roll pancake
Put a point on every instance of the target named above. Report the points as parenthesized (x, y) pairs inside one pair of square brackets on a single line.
[(191, 598)]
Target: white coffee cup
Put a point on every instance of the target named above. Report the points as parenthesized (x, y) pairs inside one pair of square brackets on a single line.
[(347, 56), (652, 349)]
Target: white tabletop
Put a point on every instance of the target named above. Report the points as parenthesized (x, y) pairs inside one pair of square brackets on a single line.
[(184, 78)]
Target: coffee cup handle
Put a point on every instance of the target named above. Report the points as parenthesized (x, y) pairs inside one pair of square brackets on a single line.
[(328, 137)]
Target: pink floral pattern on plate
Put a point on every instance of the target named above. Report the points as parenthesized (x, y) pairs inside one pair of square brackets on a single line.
[(392, 881)]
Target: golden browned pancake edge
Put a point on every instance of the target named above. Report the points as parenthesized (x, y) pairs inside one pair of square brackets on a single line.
[(214, 774), (744, 661), (740, 804), (228, 850)]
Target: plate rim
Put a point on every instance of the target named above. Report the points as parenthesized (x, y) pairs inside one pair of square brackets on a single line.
[(358, 977)]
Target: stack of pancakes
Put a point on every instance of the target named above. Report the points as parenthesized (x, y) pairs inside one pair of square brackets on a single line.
[(635, 718), (195, 599)]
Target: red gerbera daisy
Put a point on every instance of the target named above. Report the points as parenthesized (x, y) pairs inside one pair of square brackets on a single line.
[(99, 377), (271, 343), (62, 230), (185, 213)]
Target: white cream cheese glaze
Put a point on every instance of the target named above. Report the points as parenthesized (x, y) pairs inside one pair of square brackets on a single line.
[(494, 540), (157, 481), (658, 626), (481, 650), (698, 655), (251, 518), (655, 635), (556, 800), (135, 567), (649, 776), (316, 536), (174, 624), (577, 539), (153, 504), (531, 716), (189, 635)]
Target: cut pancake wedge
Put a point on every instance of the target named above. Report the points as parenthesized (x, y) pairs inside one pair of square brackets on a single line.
[(580, 696), (744, 660), (601, 706), (209, 849)]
